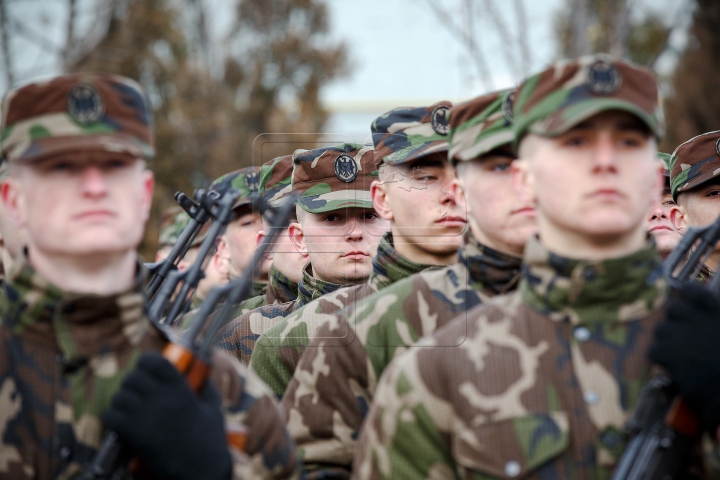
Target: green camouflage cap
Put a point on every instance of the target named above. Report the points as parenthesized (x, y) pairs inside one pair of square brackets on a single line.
[(333, 178), (408, 133), (480, 125), (71, 113), (571, 91), (174, 220), (695, 162), (276, 180), (665, 160), (246, 180)]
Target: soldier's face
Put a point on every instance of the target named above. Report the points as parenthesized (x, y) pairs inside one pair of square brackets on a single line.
[(285, 257), (498, 216), (698, 207), (340, 244), (237, 245), (419, 200), (81, 204), (596, 182), (659, 224)]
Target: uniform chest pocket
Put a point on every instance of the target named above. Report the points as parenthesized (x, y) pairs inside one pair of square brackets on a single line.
[(512, 448)]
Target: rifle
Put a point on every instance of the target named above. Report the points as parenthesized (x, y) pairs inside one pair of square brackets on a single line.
[(192, 352), (663, 429)]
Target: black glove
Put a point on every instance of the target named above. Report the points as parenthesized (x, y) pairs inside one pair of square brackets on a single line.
[(176, 433), (687, 345)]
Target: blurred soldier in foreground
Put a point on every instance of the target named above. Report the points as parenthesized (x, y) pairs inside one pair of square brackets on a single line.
[(336, 227), (659, 224), (77, 354), (540, 383), (695, 183), (335, 379), (414, 192)]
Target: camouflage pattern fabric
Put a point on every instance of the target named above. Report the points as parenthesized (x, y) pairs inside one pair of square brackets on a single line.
[(665, 160), (174, 221), (405, 134), (705, 275), (63, 357), (106, 113), (334, 178), (246, 180), (570, 91), (480, 125), (279, 289), (239, 336), (275, 179), (335, 379), (539, 384), (694, 162), (278, 350)]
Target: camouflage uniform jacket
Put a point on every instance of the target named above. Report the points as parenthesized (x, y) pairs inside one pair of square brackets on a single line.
[(239, 336), (278, 350), (62, 358), (537, 384), (280, 289), (331, 389)]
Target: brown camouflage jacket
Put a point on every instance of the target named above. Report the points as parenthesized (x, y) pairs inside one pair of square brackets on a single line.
[(239, 336), (280, 289), (278, 350), (335, 380), (537, 384), (63, 357)]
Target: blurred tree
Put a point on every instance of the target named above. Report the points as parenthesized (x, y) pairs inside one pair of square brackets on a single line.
[(693, 106)]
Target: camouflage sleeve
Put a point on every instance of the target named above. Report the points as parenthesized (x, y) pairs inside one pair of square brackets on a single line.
[(276, 356), (327, 399), (269, 452)]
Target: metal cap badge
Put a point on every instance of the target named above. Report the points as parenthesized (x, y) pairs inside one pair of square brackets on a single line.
[(439, 120), (345, 168)]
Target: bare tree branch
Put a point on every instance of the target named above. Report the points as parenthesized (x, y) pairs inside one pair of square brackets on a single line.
[(522, 37), (506, 38), (69, 34), (578, 26), (7, 58)]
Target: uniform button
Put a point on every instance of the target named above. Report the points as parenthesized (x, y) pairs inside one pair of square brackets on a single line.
[(64, 453), (512, 468), (582, 334), (591, 397)]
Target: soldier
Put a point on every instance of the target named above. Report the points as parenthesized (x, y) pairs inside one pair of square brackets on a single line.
[(336, 227), (695, 186), (77, 355), (335, 379), (659, 224), (237, 245), (540, 383), (414, 193), (287, 263)]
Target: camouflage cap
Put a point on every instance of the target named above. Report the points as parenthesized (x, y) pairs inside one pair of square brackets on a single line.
[(276, 179), (665, 160), (72, 113), (480, 125), (571, 91), (174, 220), (408, 133), (332, 178), (695, 162), (246, 180)]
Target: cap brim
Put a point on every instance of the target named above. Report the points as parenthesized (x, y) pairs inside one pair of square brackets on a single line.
[(46, 147), (336, 201)]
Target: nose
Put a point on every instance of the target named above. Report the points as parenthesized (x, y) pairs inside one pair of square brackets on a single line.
[(605, 154), (658, 213), (447, 194), (355, 231), (93, 183)]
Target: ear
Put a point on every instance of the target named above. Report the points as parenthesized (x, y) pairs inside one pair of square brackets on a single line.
[(523, 181), (221, 265), (297, 238), (259, 237), (13, 200), (379, 193), (678, 217), (222, 248), (147, 193)]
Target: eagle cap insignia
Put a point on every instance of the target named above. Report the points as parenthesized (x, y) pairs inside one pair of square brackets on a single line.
[(717, 146), (439, 120), (85, 105), (603, 78), (345, 168), (507, 106), (252, 181)]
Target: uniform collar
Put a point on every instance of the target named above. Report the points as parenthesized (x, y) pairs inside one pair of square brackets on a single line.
[(81, 325), (582, 292), (258, 288), (389, 266), (490, 271), (280, 288), (311, 288)]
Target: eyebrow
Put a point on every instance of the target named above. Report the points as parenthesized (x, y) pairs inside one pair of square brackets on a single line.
[(426, 163), (635, 125)]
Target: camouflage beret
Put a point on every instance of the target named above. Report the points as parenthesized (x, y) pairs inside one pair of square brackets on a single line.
[(665, 160), (174, 220), (408, 133), (571, 91), (332, 178), (246, 180), (480, 125), (695, 162), (276, 179), (73, 113)]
